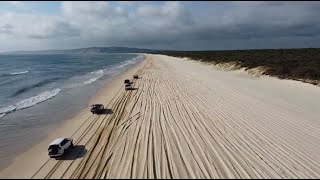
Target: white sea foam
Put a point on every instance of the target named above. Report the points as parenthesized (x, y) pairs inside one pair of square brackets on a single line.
[(90, 78), (126, 63), (29, 102), (89, 81), (37, 99), (17, 73), (7, 109), (1, 115), (98, 74), (93, 76)]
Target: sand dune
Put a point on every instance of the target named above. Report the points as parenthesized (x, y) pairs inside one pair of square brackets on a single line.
[(187, 120)]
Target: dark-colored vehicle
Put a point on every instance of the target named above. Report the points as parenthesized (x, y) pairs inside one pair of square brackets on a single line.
[(128, 87), (97, 108), (127, 81), (136, 76)]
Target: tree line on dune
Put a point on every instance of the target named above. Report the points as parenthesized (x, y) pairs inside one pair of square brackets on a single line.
[(296, 64)]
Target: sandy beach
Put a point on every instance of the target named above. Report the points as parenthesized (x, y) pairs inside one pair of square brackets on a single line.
[(185, 119)]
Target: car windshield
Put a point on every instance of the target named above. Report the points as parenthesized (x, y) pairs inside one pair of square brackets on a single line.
[(54, 147)]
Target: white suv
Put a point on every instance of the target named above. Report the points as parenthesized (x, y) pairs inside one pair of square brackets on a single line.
[(59, 146)]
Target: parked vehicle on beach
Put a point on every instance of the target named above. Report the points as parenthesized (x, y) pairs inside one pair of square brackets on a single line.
[(136, 76), (59, 146), (97, 108), (127, 81)]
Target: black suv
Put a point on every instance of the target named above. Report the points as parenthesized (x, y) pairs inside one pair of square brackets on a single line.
[(97, 108)]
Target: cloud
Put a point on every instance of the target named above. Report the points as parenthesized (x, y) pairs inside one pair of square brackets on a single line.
[(87, 10), (32, 26), (16, 3), (6, 29), (166, 25), (256, 20), (53, 29), (172, 21), (114, 25)]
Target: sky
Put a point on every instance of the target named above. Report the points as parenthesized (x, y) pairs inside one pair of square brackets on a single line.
[(176, 25)]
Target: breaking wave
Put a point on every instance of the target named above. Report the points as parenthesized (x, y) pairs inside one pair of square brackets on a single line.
[(13, 74), (97, 74), (126, 63), (7, 109), (39, 84), (37, 99), (1, 115), (17, 73), (26, 103), (90, 78)]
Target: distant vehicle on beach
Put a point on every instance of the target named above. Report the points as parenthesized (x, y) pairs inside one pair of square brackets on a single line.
[(97, 108), (128, 87), (59, 146), (136, 76), (127, 81)]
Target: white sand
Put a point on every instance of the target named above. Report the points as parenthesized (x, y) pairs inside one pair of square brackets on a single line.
[(188, 120)]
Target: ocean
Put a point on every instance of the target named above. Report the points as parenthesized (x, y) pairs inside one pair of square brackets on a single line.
[(37, 92)]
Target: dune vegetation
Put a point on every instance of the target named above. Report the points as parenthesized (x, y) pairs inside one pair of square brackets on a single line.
[(296, 64)]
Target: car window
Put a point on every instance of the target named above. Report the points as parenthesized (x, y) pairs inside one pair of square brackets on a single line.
[(63, 142), (54, 147)]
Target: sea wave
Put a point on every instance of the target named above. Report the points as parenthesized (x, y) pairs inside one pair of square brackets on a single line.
[(1, 115), (98, 74), (37, 99), (7, 109), (89, 78), (17, 73), (26, 103), (39, 84), (13, 74), (89, 81), (128, 62)]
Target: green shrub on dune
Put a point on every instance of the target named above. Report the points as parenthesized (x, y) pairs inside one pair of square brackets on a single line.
[(296, 64)]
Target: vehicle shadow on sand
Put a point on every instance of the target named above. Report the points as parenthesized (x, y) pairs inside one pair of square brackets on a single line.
[(105, 111), (78, 151), (133, 89)]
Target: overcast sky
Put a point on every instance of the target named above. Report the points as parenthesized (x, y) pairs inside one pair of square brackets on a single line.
[(159, 25)]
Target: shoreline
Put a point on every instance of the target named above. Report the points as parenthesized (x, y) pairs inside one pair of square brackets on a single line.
[(111, 85)]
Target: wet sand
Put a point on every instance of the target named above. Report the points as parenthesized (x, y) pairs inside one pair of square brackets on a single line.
[(184, 119)]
